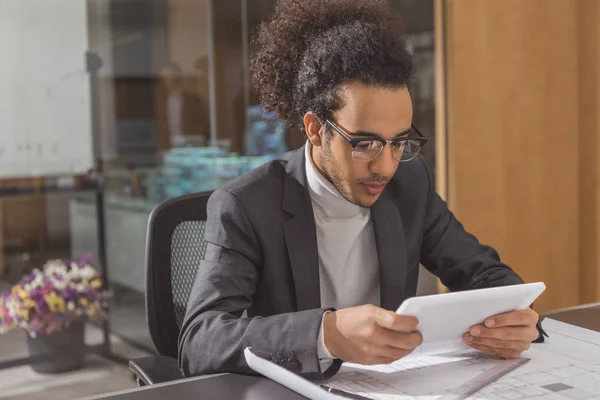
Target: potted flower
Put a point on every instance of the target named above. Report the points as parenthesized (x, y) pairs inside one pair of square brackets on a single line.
[(52, 305)]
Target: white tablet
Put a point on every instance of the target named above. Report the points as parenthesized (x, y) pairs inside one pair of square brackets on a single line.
[(443, 318)]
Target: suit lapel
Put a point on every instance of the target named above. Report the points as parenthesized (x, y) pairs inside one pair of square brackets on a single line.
[(300, 234), (391, 250)]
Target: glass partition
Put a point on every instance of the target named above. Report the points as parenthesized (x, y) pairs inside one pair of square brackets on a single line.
[(174, 114)]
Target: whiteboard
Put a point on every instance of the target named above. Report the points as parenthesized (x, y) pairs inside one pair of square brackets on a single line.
[(45, 116)]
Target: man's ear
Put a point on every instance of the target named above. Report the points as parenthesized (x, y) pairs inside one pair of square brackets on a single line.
[(312, 128)]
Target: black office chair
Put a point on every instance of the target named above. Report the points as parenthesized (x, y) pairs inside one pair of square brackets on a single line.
[(174, 249)]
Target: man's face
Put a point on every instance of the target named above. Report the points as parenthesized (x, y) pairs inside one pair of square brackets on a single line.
[(385, 112)]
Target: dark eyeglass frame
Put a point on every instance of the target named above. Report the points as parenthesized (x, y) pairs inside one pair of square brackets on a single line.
[(355, 141)]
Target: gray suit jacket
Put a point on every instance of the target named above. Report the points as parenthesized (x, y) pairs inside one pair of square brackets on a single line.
[(259, 283)]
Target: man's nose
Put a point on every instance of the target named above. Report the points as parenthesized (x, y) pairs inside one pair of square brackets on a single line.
[(384, 164)]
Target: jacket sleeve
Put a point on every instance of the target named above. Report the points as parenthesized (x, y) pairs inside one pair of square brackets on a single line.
[(456, 256), (215, 330)]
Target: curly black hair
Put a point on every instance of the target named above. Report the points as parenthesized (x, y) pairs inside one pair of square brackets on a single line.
[(309, 48)]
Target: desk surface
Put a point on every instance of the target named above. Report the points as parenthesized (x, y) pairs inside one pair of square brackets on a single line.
[(225, 387), (586, 316), (231, 386)]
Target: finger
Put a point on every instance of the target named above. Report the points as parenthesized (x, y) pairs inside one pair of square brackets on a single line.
[(513, 318), (385, 351), (373, 360), (396, 322), (395, 353), (516, 345), (400, 340), (523, 333), (503, 353)]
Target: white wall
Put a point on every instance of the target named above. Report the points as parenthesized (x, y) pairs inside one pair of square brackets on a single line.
[(45, 124)]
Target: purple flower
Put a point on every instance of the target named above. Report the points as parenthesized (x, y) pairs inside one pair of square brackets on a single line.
[(85, 259)]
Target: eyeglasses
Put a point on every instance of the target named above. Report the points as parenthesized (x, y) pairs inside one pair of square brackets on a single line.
[(404, 148)]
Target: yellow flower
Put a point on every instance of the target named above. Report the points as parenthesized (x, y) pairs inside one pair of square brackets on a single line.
[(28, 303), (96, 283), (24, 312), (84, 302), (55, 303), (23, 294)]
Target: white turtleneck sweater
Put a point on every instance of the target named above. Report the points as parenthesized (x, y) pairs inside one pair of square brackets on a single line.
[(348, 263)]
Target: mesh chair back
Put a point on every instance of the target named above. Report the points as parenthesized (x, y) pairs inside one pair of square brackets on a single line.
[(175, 248), (187, 250)]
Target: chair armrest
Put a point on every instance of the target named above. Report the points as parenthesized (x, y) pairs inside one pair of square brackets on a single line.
[(155, 369)]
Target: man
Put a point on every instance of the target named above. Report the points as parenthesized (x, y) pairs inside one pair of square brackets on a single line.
[(182, 115), (309, 256)]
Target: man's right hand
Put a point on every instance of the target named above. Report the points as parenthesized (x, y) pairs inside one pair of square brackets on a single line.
[(370, 335)]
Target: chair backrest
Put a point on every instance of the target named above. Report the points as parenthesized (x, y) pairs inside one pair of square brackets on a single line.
[(175, 247)]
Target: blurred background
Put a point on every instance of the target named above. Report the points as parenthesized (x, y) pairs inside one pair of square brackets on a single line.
[(109, 107)]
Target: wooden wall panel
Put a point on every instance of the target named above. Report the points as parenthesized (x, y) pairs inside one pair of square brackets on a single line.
[(589, 148), (440, 100), (512, 105)]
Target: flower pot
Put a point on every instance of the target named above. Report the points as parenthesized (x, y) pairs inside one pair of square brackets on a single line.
[(61, 351)]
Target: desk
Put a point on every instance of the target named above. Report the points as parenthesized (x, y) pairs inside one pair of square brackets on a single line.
[(222, 387), (586, 316), (231, 386)]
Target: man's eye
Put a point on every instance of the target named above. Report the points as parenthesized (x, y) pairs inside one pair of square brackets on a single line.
[(367, 145)]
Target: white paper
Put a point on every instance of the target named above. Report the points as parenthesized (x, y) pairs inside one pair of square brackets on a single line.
[(565, 367), (567, 340), (426, 377), (286, 378)]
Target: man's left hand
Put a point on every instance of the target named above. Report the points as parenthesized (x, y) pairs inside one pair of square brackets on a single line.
[(505, 335)]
